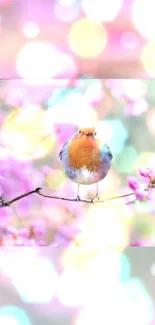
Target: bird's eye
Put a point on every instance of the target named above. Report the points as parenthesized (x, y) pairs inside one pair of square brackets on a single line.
[(95, 133), (79, 131)]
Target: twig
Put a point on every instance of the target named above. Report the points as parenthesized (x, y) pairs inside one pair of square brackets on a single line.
[(65, 198), (8, 203), (119, 197), (91, 201)]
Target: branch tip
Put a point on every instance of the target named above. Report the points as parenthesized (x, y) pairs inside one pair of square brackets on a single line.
[(38, 189)]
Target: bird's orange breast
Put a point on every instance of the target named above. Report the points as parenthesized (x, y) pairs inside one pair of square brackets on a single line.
[(84, 152)]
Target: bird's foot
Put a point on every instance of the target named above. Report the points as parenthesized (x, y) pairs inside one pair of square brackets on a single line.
[(78, 198), (96, 198)]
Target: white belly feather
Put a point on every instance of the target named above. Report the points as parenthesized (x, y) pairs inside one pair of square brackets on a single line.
[(84, 176)]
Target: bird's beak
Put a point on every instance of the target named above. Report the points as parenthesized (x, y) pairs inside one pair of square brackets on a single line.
[(89, 134)]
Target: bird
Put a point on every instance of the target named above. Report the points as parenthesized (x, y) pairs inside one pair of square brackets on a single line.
[(86, 159)]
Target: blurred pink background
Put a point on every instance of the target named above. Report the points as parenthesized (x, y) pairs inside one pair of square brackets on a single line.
[(107, 39)]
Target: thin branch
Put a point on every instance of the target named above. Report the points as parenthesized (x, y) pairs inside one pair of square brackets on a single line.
[(65, 198), (92, 201), (8, 203), (118, 197), (4, 203)]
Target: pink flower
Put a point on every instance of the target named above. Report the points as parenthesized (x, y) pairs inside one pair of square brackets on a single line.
[(11, 230), (136, 108), (133, 183), (41, 243), (146, 171), (140, 194), (149, 174), (1, 185), (142, 242), (136, 243), (24, 233)]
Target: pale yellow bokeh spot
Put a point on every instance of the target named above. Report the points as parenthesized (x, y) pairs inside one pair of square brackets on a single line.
[(27, 135), (107, 227), (145, 159), (85, 260), (56, 179), (75, 258), (148, 58), (87, 38)]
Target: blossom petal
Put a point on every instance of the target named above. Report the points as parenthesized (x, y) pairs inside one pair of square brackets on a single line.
[(140, 194), (133, 183), (146, 171)]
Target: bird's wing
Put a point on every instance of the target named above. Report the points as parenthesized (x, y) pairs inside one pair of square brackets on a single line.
[(61, 152), (109, 151)]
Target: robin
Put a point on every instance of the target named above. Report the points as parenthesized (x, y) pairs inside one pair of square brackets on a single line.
[(86, 160)]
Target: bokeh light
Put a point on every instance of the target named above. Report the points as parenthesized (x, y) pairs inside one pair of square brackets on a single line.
[(125, 164), (125, 267), (77, 27), (87, 38), (66, 10), (73, 289), (94, 92), (129, 40), (150, 121), (81, 282), (114, 133), (70, 108), (129, 89), (13, 315), (153, 269), (104, 235), (101, 10), (148, 58), (31, 29), (7, 320), (137, 108), (55, 179), (36, 287), (26, 138), (128, 303), (40, 60), (143, 17), (145, 159)]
